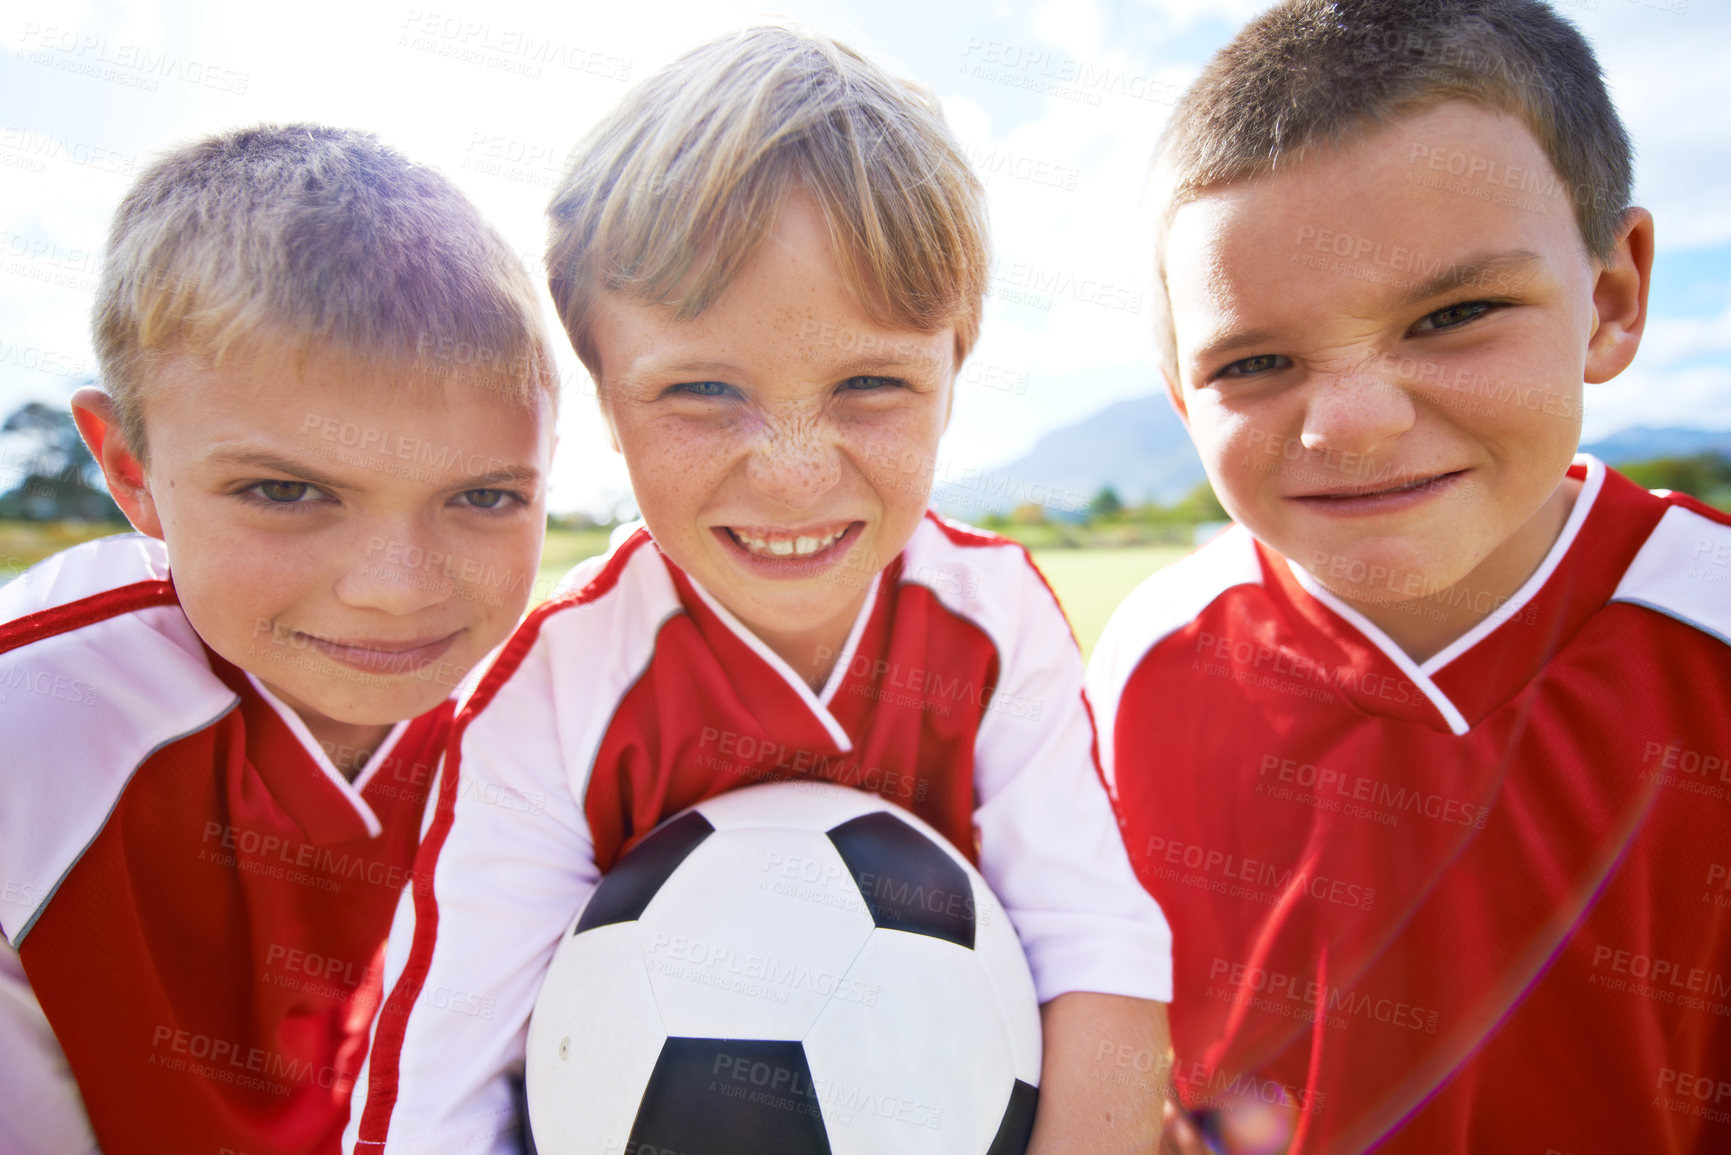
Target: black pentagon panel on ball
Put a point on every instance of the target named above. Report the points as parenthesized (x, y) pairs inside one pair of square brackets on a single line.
[(1017, 1125), (730, 1097), (626, 889), (906, 879)]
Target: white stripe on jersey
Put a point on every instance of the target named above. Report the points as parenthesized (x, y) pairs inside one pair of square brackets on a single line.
[(82, 711), (83, 571), (1049, 843), (1684, 571)]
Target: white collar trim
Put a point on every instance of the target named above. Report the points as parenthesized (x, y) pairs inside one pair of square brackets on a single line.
[(1374, 635), (1594, 482), (1423, 675), (350, 790)]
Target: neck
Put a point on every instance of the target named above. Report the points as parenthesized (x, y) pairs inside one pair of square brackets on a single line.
[(349, 746), (812, 653), (1424, 626)]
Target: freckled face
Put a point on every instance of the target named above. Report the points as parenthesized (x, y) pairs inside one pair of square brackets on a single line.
[(781, 443)]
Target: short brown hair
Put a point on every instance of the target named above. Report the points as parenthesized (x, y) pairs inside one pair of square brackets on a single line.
[(308, 235), (668, 197), (1311, 73)]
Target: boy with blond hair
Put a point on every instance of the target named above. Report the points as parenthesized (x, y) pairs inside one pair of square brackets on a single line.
[(328, 413), (1424, 757), (771, 258)]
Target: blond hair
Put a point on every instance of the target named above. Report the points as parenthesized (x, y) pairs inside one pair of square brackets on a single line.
[(1311, 73), (667, 199), (304, 236)]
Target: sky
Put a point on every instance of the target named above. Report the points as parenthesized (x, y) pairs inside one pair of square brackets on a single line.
[(1057, 104)]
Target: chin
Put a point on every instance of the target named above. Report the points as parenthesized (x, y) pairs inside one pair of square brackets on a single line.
[(384, 709)]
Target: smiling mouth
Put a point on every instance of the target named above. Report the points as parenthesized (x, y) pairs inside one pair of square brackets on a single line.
[(1363, 493), (787, 545), (382, 657)]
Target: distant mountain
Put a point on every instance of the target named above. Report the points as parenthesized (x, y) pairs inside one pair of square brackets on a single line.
[(1644, 444), (1140, 449)]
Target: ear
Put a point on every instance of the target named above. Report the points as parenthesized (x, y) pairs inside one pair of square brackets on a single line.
[(93, 413), (1620, 299)]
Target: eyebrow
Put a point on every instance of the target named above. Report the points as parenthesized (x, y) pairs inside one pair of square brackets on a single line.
[(1232, 343), (263, 459), (888, 362), (259, 459), (729, 372), (510, 475), (693, 370), (1477, 269)]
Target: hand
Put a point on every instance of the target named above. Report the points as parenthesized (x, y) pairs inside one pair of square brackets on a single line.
[(1178, 1135), (1239, 1125)]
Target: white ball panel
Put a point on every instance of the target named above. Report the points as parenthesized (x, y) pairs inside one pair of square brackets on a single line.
[(752, 934), (919, 1059), (1005, 967), (593, 1041), (801, 805)]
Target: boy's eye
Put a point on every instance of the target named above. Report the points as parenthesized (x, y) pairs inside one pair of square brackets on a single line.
[(703, 388), (489, 498), (285, 492), (1251, 366), (1454, 315)]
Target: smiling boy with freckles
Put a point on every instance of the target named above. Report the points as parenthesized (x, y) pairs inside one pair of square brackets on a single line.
[(1404, 714), (768, 487), (775, 343)]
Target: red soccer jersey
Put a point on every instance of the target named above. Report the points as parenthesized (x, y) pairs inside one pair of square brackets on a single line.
[(196, 896), (1478, 903), (958, 695)]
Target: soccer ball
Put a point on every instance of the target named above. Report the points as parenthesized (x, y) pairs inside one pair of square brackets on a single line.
[(792, 968)]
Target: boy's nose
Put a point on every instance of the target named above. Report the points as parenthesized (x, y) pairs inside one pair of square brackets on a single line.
[(795, 461), (1355, 412), (398, 571)]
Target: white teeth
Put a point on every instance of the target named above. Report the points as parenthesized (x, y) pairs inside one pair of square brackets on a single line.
[(800, 545)]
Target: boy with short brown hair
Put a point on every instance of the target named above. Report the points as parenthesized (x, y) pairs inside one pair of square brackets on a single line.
[(1402, 754)]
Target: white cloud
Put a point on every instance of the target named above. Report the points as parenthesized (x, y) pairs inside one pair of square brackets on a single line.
[(1694, 398), (1669, 340), (1071, 25)]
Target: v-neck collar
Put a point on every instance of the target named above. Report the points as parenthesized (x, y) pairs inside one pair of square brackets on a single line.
[(325, 805), (1468, 679), (315, 752), (709, 615)]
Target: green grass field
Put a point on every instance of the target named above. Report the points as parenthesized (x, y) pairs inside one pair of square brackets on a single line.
[(1090, 582)]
